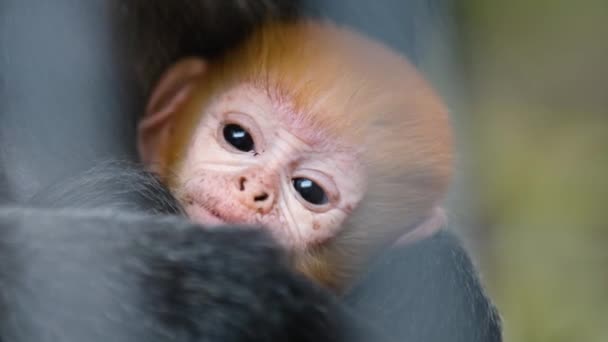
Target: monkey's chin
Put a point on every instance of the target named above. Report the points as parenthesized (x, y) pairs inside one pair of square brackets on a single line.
[(203, 216)]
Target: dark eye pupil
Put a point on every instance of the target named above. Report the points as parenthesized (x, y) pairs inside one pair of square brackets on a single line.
[(310, 191), (238, 137)]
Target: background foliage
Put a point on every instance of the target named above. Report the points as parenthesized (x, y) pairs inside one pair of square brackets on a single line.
[(532, 189)]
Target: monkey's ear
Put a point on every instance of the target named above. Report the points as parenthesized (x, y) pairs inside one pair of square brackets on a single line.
[(171, 92)]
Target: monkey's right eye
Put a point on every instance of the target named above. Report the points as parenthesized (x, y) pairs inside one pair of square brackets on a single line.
[(310, 191), (238, 137)]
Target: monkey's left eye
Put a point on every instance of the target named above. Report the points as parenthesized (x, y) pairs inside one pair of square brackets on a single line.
[(310, 191), (238, 137)]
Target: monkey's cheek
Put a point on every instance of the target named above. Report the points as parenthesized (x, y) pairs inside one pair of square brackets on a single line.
[(299, 238), (322, 230)]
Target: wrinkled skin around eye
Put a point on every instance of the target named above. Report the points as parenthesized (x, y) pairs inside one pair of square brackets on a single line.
[(218, 182)]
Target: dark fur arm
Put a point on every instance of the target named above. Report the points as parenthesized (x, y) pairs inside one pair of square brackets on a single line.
[(428, 291), (75, 275)]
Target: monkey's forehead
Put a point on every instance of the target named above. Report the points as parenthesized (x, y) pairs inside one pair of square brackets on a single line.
[(313, 127), (337, 85)]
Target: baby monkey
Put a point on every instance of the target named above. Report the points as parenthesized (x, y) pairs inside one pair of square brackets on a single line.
[(328, 139)]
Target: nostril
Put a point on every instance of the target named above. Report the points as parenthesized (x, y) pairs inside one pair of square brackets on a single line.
[(242, 182), (260, 198)]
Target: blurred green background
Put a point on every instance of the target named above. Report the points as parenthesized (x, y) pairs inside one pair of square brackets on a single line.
[(532, 189)]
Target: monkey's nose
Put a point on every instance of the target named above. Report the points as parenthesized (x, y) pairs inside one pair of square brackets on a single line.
[(256, 195)]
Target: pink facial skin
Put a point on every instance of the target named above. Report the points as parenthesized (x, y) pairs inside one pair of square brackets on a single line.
[(218, 183)]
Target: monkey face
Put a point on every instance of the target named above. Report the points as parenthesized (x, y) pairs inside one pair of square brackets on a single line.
[(250, 163)]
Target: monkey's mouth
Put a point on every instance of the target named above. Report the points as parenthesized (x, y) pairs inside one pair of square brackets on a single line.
[(209, 217), (208, 213)]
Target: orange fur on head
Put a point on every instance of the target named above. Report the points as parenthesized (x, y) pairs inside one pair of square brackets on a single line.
[(346, 86)]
